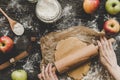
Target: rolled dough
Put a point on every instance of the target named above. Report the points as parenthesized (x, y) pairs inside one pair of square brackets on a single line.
[(65, 48)]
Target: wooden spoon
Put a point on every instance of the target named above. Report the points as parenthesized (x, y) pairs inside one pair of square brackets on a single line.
[(16, 27)]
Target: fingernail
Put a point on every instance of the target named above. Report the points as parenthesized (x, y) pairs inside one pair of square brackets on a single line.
[(43, 67)]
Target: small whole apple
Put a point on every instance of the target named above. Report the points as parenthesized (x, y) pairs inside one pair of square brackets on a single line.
[(19, 75), (111, 26), (112, 6), (90, 6), (6, 44)]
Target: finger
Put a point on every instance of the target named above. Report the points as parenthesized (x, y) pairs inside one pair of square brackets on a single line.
[(40, 76), (103, 43), (110, 45), (103, 53), (106, 42), (50, 71), (47, 71), (99, 45), (112, 53), (108, 50), (100, 48), (43, 73), (104, 46), (55, 76), (54, 73)]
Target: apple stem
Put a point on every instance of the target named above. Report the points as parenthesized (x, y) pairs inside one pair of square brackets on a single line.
[(3, 44), (112, 25), (113, 5)]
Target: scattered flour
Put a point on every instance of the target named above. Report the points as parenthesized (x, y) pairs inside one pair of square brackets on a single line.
[(29, 65), (106, 17), (27, 21), (2, 20), (4, 30), (97, 72), (69, 19), (93, 24), (15, 4)]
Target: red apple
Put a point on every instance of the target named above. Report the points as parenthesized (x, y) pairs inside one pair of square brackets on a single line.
[(111, 26), (6, 44), (90, 6)]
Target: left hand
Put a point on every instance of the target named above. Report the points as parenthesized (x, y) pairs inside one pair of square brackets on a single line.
[(47, 73)]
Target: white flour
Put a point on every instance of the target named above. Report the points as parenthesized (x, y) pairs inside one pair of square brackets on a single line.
[(4, 30), (93, 24), (18, 29), (97, 72), (29, 65), (68, 18), (33, 1), (47, 9)]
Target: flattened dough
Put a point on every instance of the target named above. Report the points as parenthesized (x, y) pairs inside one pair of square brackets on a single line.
[(64, 48)]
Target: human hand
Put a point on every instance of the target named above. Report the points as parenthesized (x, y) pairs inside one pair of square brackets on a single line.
[(47, 73), (107, 54), (108, 57)]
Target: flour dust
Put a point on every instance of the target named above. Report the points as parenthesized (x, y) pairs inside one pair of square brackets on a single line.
[(4, 30), (30, 63), (14, 4), (69, 19), (27, 21), (97, 72)]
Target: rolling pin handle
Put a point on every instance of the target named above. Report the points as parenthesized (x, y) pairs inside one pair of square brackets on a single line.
[(12, 61)]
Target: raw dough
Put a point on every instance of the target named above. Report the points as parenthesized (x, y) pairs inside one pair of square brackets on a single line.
[(49, 42), (65, 48)]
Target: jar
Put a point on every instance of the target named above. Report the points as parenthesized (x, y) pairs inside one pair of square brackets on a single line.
[(48, 10), (32, 1)]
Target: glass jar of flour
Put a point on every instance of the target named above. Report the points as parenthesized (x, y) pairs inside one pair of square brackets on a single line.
[(48, 10), (32, 1)]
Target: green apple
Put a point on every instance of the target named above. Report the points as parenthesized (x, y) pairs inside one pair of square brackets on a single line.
[(112, 6), (19, 75)]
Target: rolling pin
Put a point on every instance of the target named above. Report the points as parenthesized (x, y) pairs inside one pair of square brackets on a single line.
[(13, 60), (18, 57), (79, 56)]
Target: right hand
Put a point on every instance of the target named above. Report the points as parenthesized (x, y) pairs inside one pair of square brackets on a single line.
[(107, 54), (47, 73), (108, 57)]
